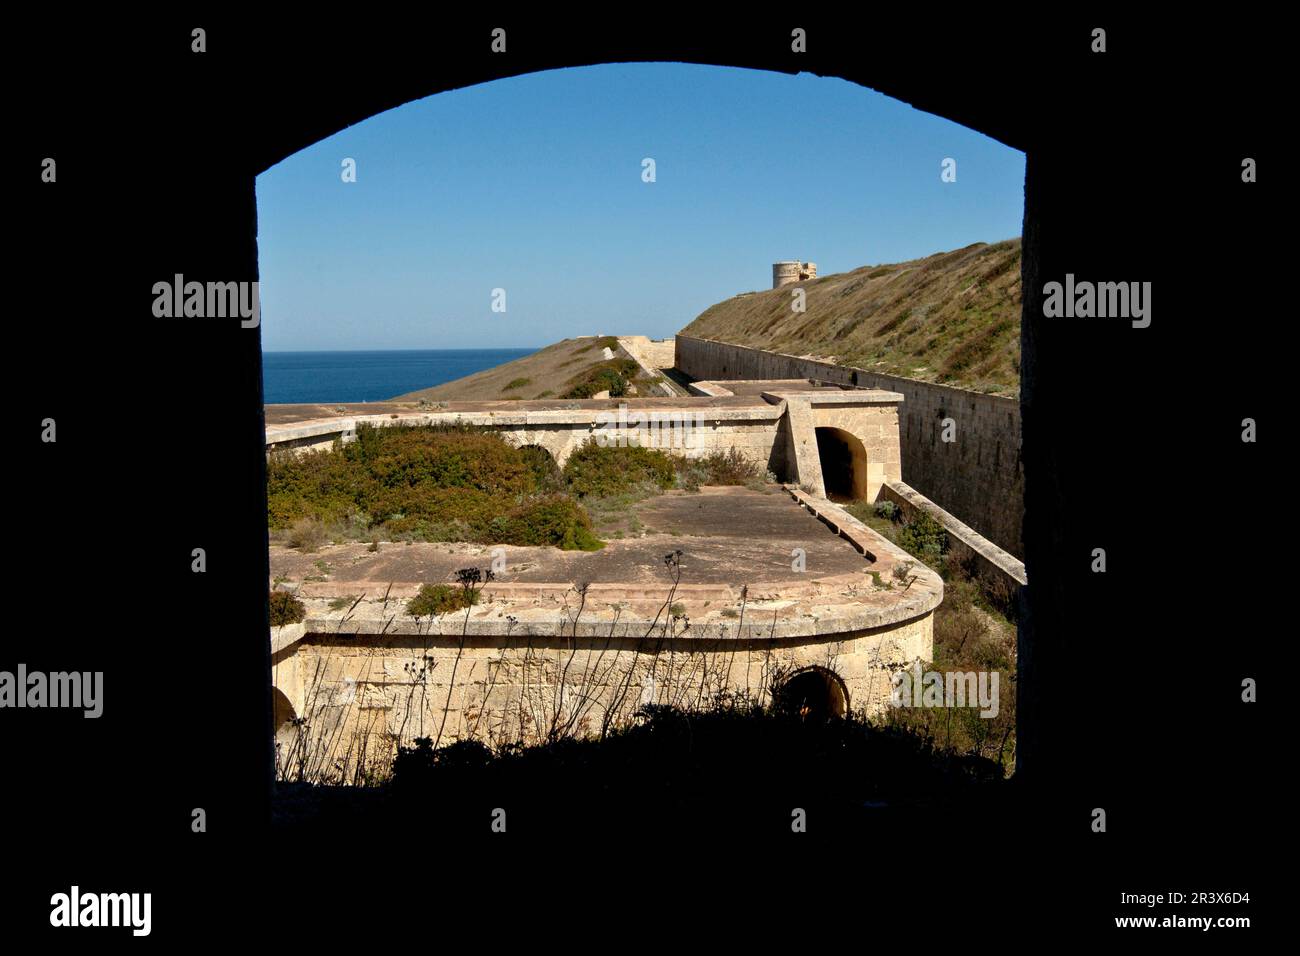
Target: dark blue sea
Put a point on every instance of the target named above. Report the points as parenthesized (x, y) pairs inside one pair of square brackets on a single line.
[(289, 377)]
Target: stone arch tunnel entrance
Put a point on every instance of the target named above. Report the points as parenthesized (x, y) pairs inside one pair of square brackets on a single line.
[(815, 695), (546, 471), (286, 733), (1008, 121), (844, 464)]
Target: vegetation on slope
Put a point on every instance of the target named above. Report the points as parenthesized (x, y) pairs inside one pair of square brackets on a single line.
[(613, 376), (455, 483), (432, 483), (572, 368), (953, 317), (286, 609), (973, 631)]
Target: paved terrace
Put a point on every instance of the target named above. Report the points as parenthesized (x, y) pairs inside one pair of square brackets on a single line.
[(730, 538)]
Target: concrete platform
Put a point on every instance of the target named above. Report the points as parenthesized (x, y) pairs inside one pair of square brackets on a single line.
[(731, 539)]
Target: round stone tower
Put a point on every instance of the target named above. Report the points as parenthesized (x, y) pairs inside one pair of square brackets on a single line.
[(792, 270)]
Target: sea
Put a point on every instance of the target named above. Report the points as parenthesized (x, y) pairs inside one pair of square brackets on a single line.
[(291, 377)]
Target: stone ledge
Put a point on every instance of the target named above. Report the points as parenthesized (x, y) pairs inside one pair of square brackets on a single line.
[(286, 635), (757, 411), (712, 389), (859, 396), (994, 559), (845, 625)]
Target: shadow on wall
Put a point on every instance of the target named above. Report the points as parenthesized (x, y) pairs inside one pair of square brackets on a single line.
[(844, 465)]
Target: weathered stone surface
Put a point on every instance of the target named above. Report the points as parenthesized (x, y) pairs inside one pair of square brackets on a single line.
[(978, 477), (771, 582)]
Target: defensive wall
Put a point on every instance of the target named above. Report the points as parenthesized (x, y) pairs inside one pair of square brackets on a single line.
[(977, 477), (776, 425)]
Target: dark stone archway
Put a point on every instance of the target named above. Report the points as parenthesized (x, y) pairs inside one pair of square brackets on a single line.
[(1114, 151), (844, 465), (813, 694)]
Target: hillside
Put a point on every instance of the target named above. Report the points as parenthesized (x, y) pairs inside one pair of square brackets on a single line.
[(953, 317), (553, 372)]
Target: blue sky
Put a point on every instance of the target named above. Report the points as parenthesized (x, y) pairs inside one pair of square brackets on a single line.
[(533, 184)]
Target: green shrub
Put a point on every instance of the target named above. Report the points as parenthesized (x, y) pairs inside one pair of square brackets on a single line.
[(430, 483), (517, 383), (604, 379), (286, 609), (886, 509), (690, 475), (307, 534), (727, 468), (440, 599), (412, 511), (547, 477), (604, 471), (614, 376), (925, 538), (312, 484), (410, 456), (390, 471), (555, 520)]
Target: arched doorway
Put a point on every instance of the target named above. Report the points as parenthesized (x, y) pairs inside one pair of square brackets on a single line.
[(815, 695), (286, 733), (844, 465), (546, 472), (386, 97)]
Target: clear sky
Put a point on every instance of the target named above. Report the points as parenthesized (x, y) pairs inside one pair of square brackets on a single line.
[(534, 185)]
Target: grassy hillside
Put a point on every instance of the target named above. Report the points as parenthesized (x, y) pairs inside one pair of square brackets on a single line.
[(953, 317), (567, 369)]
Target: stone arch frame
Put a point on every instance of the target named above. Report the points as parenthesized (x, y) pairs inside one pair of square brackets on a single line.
[(1054, 169), (558, 443), (838, 699), (283, 733), (521, 445), (283, 708), (859, 461), (543, 447)]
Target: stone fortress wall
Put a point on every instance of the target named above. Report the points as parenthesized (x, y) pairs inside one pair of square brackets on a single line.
[(529, 656), (344, 686), (978, 477), (774, 428), (356, 689)]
